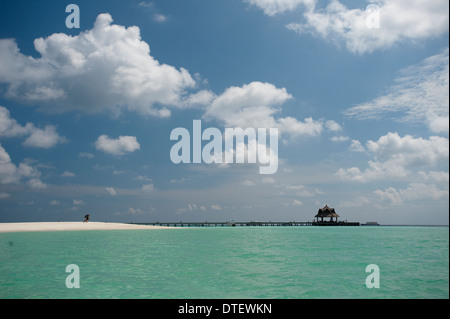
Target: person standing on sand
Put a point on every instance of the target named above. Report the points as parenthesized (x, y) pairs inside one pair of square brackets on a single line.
[(86, 218)]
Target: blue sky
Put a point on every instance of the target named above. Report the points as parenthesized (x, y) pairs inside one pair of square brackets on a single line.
[(362, 109)]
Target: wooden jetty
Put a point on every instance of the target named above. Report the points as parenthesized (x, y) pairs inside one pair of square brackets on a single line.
[(324, 223), (248, 224), (325, 212)]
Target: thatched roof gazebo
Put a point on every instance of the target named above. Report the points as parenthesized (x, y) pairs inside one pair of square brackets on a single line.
[(326, 212)]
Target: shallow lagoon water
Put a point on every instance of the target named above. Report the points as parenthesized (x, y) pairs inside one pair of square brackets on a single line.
[(228, 262)]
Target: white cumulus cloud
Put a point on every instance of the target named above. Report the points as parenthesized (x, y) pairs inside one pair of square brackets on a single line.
[(394, 156), (273, 7), (35, 137), (414, 191), (119, 146), (13, 174), (111, 191), (147, 188), (44, 138), (108, 67), (251, 105), (255, 105), (399, 21)]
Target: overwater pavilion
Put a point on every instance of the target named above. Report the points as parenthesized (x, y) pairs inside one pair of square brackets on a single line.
[(327, 212)]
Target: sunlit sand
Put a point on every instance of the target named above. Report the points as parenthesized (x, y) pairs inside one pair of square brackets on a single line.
[(65, 226)]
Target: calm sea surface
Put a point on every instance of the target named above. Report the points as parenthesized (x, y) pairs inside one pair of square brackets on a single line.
[(229, 262)]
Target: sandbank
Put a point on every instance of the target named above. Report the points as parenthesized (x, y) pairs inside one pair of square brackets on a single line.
[(67, 226)]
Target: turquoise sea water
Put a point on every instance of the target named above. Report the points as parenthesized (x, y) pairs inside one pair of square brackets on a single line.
[(229, 262)]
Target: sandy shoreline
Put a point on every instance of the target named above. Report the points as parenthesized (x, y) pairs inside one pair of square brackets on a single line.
[(66, 226)]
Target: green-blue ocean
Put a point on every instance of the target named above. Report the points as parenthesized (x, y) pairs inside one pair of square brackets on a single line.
[(228, 262)]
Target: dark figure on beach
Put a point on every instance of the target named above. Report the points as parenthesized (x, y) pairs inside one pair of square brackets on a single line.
[(86, 218)]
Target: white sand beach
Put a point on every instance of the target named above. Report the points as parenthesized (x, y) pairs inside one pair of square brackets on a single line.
[(66, 226)]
